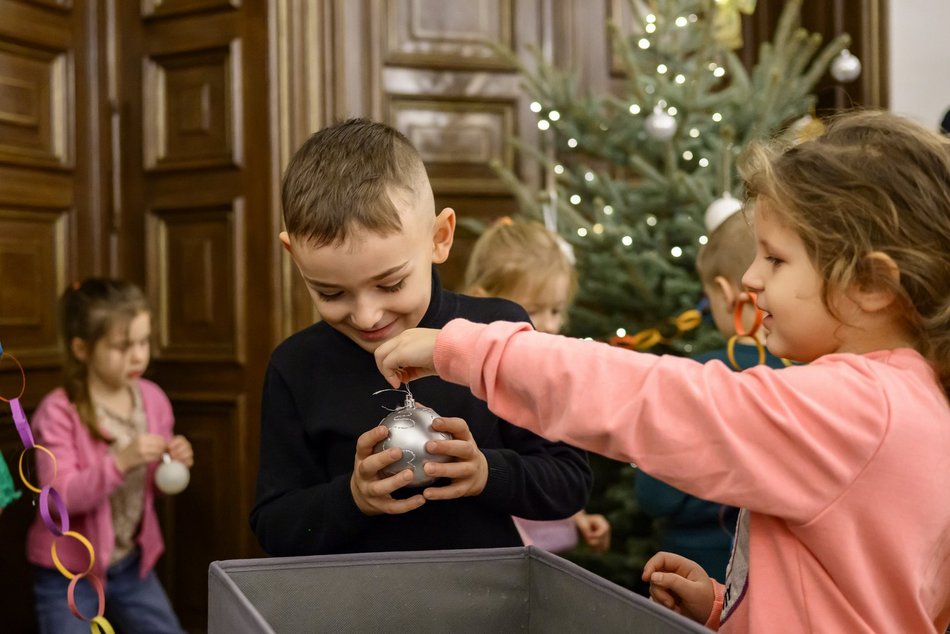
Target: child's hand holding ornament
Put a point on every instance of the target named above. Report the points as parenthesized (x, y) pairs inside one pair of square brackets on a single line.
[(173, 475)]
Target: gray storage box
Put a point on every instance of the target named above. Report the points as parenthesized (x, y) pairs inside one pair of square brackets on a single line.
[(493, 590)]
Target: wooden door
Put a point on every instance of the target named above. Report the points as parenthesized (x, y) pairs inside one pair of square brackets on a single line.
[(198, 228), (54, 220)]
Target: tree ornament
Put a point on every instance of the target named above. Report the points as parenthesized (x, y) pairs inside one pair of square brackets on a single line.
[(410, 428), (719, 210), (846, 67), (660, 126), (172, 476)]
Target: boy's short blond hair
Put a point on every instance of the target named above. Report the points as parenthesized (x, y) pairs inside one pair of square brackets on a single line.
[(728, 252), (345, 177), (516, 256)]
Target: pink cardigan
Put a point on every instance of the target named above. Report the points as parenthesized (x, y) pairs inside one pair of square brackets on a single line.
[(86, 477), (842, 465)]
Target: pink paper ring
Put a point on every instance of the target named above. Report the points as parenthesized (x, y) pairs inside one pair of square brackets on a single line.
[(71, 598), (45, 494)]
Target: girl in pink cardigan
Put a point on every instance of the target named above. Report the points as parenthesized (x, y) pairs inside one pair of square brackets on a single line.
[(841, 465), (108, 428)]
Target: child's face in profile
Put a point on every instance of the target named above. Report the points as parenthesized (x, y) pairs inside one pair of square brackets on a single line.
[(546, 305), (373, 287)]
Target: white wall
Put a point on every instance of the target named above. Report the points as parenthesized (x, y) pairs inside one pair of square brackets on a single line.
[(920, 59)]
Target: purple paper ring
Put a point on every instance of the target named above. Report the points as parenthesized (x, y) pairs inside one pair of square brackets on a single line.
[(45, 494), (22, 424)]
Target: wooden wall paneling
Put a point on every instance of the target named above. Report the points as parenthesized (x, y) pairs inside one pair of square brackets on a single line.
[(54, 218)]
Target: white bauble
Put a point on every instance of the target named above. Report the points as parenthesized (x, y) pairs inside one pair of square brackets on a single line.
[(660, 125), (719, 210), (172, 476), (846, 67)]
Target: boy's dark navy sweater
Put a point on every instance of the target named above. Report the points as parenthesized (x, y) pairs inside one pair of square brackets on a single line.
[(318, 399)]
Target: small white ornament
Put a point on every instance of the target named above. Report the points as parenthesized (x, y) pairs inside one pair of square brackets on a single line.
[(172, 476), (719, 210), (660, 126), (846, 67)]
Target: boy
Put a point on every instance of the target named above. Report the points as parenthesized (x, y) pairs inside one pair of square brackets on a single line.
[(362, 230), (699, 530)]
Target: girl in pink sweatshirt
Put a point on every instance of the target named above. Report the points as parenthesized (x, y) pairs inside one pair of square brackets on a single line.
[(842, 465)]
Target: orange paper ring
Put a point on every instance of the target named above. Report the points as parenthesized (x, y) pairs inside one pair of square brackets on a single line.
[(22, 375), (688, 320), (82, 540), (737, 317), (731, 350), (71, 596), (26, 482), (99, 625)]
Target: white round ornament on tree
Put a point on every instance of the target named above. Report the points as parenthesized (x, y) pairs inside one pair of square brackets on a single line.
[(846, 66), (719, 210), (660, 125), (172, 476), (410, 428)]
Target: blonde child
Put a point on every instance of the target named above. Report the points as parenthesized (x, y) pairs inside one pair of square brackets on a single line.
[(840, 465), (108, 428), (526, 263)]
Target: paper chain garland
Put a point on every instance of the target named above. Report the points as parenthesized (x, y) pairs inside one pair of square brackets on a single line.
[(98, 624)]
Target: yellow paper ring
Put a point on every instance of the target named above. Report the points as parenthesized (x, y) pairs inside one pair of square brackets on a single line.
[(26, 482), (82, 540), (688, 320), (731, 350), (99, 625)]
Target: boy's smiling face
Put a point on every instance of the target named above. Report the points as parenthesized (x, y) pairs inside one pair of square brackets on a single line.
[(371, 287)]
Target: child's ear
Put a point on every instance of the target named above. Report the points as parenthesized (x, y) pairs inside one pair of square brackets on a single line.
[(879, 279), (730, 294), (443, 235), (79, 349), (285, 240)]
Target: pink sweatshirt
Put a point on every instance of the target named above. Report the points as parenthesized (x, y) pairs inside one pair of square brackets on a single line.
[(843, 465), (85, 478)]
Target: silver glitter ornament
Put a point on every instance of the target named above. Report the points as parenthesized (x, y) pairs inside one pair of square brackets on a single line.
[(410, 428)]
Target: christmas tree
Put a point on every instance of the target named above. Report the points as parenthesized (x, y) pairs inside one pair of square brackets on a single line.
[(632, 174)]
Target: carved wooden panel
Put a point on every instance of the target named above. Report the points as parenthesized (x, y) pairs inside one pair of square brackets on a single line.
[(32, 275), (191, 108), (57, 4), (194, 279), (181, 7), (458, 140), (199, 524), (448, 33), (35, 104)]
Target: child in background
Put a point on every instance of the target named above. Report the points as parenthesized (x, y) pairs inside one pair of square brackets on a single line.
[(363, 230), (695, 528), (526, 263), (108, 428), (840, 465)]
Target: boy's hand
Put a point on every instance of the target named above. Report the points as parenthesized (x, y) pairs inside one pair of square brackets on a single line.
[(407, 356), (680, 584), (370, 489), (595, 529), (180, 449), (143, 449), (469, 471)]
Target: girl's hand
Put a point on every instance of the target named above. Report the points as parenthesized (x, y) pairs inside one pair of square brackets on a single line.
[(407, 356), (180, 449), (372, 490), (595, 529), (680, 584), (469, 471), (146, 448)]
